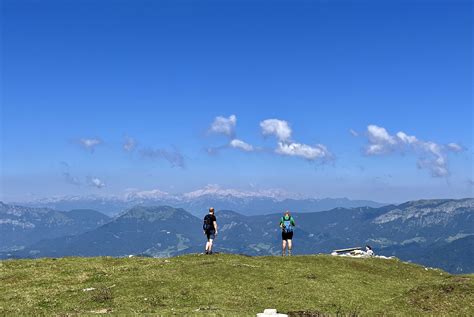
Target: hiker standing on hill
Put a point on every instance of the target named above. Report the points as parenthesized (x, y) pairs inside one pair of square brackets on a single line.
[(286, 224), (210, 229)]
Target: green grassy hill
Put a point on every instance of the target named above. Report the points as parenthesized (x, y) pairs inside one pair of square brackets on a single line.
[(231, 285)]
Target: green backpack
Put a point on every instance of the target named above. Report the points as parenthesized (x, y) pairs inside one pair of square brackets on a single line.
[(287, 226)]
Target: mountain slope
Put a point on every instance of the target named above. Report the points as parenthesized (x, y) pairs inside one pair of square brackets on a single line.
[(160, 231), (22, 226), (229, 285), (456, 256), (419, 231)]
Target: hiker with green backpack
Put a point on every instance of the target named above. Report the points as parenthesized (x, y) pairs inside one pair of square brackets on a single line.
[(287, 224)]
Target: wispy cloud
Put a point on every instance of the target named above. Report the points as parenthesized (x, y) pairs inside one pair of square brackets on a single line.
[(70, 179), (215, 150), (239, 144), (174, 157), (90, 144), (455, 147), (223, 125), (96, 182), (129, 144), (431, 155), (67, 176), (353, 132)]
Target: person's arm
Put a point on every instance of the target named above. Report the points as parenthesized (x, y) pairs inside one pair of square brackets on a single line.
[(293, 221), (215, 226)]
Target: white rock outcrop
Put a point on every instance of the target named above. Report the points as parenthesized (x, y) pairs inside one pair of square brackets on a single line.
[(271, 313)]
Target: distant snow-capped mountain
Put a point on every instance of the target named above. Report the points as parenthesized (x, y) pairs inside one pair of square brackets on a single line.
[(198, 201), (147, 194), (217, 191)]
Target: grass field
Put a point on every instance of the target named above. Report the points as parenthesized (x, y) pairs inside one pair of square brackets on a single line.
[(226, 284)]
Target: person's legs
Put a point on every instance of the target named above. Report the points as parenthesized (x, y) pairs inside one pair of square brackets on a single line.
[(289, 246), (283, 247), (209, 249), (210, 238), (208, 243)]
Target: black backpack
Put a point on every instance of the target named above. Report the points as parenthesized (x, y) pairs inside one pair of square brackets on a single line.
[(207, 224)]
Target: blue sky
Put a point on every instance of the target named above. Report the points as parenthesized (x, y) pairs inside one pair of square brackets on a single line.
[(158, 73)]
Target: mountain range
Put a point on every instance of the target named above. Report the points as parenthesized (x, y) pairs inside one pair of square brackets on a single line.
[(438, 233), (196, 202)]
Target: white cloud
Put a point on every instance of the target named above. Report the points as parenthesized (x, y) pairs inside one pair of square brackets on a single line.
[(96, 182), (89, 144), (382, 142), (374, 149), (129, 144), (227, 126), (431, 156), (379, 135), (407, 139), (303, 150), (282, 131), (276, 127), (239, 144), (224, 125)]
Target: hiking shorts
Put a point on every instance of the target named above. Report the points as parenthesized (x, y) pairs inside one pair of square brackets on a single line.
[(286, 235), (211, 234)]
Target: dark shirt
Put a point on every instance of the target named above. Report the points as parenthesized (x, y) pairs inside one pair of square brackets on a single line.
[(213, 218)]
